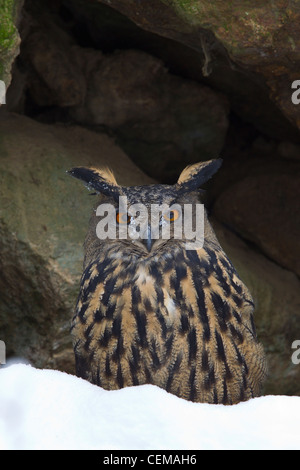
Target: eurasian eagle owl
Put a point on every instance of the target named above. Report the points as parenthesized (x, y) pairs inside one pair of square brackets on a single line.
[(164, 310)]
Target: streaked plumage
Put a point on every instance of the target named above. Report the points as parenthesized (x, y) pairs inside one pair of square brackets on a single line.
[(179, 319)]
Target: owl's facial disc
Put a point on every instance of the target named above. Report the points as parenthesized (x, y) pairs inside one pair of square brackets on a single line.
[(141, 202), (146, 233), (157, 227), (148, 239)]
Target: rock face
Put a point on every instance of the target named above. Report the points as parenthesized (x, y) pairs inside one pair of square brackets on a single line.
[(262, 209), (127, 92), (192, 118), (44, 215), (55, 80), (263, 37)]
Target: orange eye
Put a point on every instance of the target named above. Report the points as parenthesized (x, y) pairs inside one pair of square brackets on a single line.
[(172, 215), (123, 218)]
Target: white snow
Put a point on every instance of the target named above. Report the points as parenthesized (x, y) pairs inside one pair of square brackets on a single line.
[(47, 409)]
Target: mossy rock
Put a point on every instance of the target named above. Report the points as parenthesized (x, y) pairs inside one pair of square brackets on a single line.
[(9, 36), (262, 38)]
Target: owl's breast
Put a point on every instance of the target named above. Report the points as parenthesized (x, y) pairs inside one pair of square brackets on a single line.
[(155, 293), (182, 321)]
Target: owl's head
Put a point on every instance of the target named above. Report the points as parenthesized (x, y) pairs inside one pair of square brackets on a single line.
[(153, 215)]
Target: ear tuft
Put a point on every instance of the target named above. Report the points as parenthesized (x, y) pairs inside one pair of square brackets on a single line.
[(108, 175), (103, 181), (194, 176)]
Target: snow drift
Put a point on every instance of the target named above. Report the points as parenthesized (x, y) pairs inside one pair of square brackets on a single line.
[(47, 409)]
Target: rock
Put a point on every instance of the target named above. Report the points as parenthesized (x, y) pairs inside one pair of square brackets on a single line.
[(289, 151), (104, 28), (276, 294), (162, 121), (265, 210), (54, 77), (43, 220), (262, 38), (9, 37)]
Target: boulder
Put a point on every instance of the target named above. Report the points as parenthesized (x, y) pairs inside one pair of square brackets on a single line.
[(162, 121), (193, 52), (44, 215), (264, 209), (261, 37), (54, 78)]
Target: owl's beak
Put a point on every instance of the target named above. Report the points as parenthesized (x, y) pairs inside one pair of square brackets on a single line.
[(147, 238)]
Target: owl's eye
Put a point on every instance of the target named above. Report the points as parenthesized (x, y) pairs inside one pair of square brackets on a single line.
[(123, 218), (171, 216)]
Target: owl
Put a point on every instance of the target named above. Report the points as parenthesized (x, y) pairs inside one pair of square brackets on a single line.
[(164, 310)]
